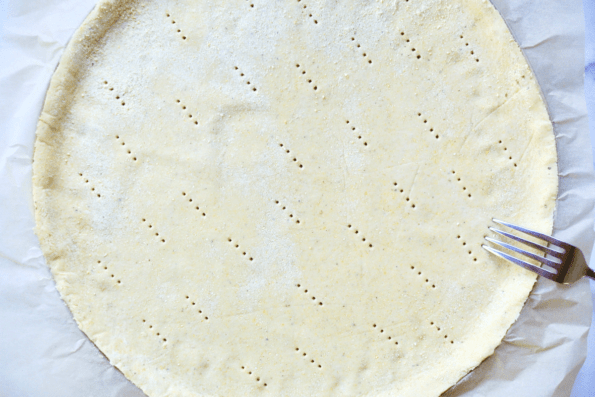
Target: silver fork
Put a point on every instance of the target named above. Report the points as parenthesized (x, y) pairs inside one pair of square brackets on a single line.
[(566, 260)]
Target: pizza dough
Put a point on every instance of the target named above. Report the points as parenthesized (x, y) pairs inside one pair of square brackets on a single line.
[(289, 198)]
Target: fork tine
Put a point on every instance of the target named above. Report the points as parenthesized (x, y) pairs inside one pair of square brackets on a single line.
[(542, 236), (528, 266), (538, 258), (527, 242)]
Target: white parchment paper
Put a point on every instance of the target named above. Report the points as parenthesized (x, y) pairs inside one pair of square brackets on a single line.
[(42, 351)]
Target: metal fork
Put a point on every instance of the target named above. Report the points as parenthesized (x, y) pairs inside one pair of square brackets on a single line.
[(567, 260)]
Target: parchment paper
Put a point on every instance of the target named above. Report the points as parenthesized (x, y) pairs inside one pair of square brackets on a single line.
[(42, 351)]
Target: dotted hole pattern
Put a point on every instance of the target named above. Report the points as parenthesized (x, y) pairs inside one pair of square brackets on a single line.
[(505, 149), (364, 54), (309, 294), (118, 97), (467, 248), (355, 230), (187, 114), (121, 142), (413, 50), (420, 274), (236, 246), (173, 22), (290, 214), (441, 331), (360, 236), (427, 125), (154, 332), (244, 79), (153, 230), (385, 335), (194, 204), (291, 156), (354, 130), (306, 11), (307, 357), (463, 187), (254, 376), (192, 304), (109, 273), (302, 71), (397, 188), (91, 186), (467, 48)]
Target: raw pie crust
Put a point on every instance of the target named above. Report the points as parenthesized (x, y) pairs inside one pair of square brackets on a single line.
[(255, 197)]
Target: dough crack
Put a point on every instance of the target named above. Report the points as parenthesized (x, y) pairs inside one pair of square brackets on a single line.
[(508, 99)]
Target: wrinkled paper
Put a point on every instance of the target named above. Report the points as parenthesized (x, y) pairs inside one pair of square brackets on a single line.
[(42, 351)]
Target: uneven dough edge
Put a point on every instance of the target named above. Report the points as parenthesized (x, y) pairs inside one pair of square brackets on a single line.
[(63, 86), (543, 131)]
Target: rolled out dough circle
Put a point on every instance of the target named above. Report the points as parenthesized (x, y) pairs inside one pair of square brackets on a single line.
[(289, 198)]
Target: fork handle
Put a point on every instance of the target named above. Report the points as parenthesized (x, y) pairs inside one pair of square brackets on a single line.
[(590, 273)]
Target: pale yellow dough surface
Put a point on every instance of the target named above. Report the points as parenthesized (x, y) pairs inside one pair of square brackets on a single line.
[(288, 198)]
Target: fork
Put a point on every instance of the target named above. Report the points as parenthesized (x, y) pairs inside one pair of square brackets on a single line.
[(567, 260)]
